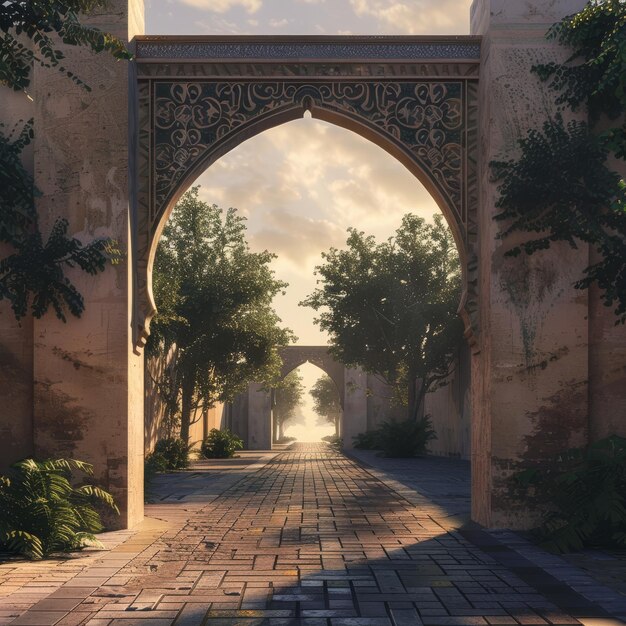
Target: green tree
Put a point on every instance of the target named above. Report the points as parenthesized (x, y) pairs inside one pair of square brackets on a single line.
[(214, 298), (391, 307), (326, 401), (288, 396), (32, 274), (562, 185)]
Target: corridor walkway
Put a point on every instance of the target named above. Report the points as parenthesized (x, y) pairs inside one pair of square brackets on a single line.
[(310, 538)]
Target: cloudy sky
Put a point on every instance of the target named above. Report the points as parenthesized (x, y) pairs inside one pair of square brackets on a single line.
[(307, 17)]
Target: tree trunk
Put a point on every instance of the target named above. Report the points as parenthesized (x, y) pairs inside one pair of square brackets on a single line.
[(280, 431), (188, 387), (275, 428), (417, 393), (337, 420)]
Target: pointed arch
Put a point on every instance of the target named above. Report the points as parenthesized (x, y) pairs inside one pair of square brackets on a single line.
[(423, 115)]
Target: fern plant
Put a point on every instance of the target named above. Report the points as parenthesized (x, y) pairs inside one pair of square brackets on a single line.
[(585, 496), (41, 512)]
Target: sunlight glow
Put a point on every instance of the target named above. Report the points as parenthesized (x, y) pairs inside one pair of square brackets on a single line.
[(307, 429)]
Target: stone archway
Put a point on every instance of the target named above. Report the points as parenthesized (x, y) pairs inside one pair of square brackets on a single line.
[(295, 356), (255, 410), (200, 97)]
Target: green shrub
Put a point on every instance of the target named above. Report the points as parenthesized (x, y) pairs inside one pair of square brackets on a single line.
[(174, 451), (334, 441), (42, 513), (405, 439), (398, 439), (584, 492), (221, 444), (367, 441)]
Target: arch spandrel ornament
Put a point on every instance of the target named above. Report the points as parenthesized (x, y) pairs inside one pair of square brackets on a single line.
[(198, 99)]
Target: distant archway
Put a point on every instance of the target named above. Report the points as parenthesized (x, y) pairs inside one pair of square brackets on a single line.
[(295, 356)]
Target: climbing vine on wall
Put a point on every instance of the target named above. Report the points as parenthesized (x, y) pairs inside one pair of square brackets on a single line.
[(562, 186), (27, 31), (32, 268)]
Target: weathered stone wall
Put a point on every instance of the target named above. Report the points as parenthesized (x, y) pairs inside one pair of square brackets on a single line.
[(16, 338), (155, 409), (380, 404), (530, 372), (607, 360), (449, 408), (88, 379), (450, 411), (238, 416)]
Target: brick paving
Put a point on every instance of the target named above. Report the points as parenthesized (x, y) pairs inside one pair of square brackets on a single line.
[(309, 538), (443, 484)]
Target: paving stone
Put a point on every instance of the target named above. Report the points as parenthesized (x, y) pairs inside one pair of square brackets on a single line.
[(309, 538)]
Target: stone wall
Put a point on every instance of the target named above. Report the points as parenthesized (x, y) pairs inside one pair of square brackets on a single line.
[(16, 338), (449, 408), (155, 410), (88, 379), (530, 371), (450, 411)]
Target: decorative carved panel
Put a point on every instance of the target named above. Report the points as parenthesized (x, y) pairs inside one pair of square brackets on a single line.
[(424, 119)]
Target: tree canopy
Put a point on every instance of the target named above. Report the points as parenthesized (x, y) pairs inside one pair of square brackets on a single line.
[(326, 401), (214, 299), (391, 307)]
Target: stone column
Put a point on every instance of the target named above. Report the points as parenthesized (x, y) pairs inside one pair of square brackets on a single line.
[(88, 379), (530, 368), (354, 416), (259, 418)]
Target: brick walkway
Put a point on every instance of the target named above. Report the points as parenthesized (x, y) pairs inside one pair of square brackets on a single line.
[(309, 539)]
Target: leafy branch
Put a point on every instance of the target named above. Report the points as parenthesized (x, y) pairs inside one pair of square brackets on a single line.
[(561, 187), (39, 21), (32, 274)]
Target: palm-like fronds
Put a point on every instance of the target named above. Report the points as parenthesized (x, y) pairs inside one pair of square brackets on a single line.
[(41, 512)]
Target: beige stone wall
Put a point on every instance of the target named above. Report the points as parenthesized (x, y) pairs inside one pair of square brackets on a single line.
[(154, 407), (530, 370), (450, 410), (380, 404), (607, 360), (88, 380), (16, 338)]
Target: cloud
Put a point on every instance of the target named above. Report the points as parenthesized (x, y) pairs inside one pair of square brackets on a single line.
[(222, 6), (219, 26), (301, 185), (275, 23), (416, 16), (298, 238)]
